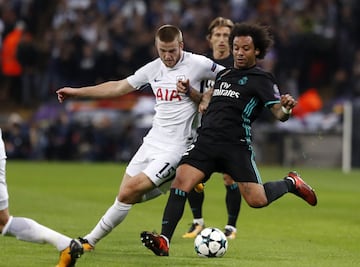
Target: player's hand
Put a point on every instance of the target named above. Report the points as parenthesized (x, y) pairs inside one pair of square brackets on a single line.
[(203, 106), (205, 100), (183, 86), (287, 101), (64, 93)]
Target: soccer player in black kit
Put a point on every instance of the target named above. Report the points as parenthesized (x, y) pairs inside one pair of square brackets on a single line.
[(224, 137), (218, 36)]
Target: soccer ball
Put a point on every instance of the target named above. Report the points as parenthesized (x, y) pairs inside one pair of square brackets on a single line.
[(210, 243)]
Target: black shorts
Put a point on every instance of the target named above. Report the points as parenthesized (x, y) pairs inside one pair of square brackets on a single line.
[(237, 160)]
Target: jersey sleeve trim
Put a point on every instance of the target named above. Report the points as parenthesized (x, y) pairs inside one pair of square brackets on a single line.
[(269, 104)]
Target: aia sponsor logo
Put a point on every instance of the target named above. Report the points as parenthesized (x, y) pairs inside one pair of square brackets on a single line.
[(164, 94)]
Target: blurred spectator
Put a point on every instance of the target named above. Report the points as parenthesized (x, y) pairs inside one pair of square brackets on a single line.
[(356, 74), (87, 66), (10, 65), (27, 56), (38, 141), (98, 143), (107, 61), (16, 138), (61, 143)]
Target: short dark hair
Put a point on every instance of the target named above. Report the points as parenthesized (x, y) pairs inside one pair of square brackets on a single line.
[(260, 34), (168, 33)]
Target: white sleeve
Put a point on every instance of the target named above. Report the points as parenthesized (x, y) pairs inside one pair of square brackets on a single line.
[(204, 69), (143, 75), (210, 68)]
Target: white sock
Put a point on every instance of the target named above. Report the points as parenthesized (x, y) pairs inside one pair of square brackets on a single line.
[(199, 221), (112, 218), (230, 227), (29, 230)]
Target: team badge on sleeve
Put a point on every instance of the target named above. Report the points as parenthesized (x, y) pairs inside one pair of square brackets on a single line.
[(276, 91)]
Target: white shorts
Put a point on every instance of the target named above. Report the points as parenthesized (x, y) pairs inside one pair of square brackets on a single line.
[(4, 196), (158, 162)]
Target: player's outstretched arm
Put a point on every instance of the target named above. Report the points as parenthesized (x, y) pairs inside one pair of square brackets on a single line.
[(108, 89)]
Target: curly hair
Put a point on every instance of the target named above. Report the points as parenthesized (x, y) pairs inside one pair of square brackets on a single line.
[(260, 35)]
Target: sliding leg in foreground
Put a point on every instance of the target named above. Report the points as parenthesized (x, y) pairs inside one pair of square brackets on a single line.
[(26, 229)]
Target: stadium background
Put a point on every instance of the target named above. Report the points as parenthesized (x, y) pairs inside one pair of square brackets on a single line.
[(82, 42)]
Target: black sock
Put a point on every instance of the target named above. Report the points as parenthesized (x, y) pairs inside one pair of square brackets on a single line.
[(276, 189), (233, 201), (290, 184), (196, 202), (173, 212)]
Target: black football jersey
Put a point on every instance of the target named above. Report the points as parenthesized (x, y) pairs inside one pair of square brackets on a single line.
[(238, 99)]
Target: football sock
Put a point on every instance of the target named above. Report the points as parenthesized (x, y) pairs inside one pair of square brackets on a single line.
[(29, 230), (196, 201), (290, 183), (233, 201), (173, 212), (199, 221), (113, 217), (276, 189)]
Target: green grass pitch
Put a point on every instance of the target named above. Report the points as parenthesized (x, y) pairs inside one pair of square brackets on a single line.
[(71, 198)]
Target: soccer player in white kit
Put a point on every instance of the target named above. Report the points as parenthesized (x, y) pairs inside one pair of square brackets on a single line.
[(29, 230), (152, 168)]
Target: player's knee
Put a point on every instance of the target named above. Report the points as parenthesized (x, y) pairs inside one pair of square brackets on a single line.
[(3, 222), (129, 196), (257, 202)]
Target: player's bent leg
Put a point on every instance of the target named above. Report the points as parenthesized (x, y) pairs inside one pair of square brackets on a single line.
[(257, 195), (254, 194), (133, 188)]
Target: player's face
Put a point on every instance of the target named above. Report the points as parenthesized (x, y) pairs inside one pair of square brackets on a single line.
[(169, 52), (244, 52), (219, 39)]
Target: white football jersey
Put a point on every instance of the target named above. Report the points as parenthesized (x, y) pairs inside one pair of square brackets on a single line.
[(174, 112)]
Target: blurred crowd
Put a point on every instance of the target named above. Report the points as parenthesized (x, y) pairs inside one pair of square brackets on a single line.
[(46, 45)]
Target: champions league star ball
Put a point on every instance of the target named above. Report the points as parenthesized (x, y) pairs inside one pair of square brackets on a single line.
[(210, 243)]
